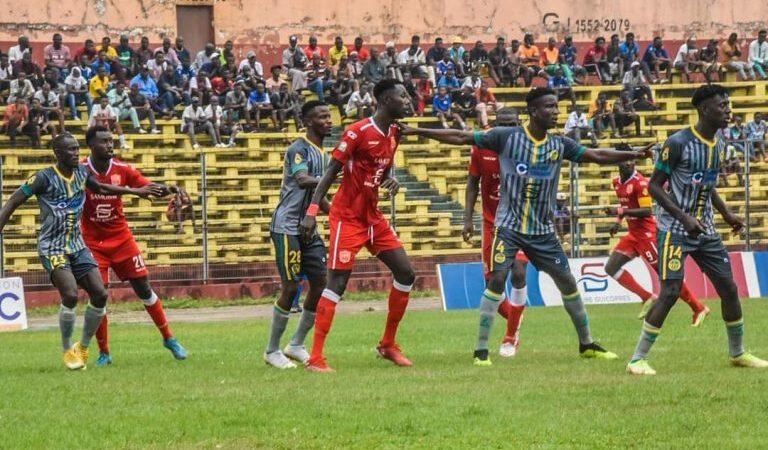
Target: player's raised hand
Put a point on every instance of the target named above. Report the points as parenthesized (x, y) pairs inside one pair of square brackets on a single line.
[(468, 232), (647, 151), (737, 223), (307, 228), (153, 190), (391, 186), (692, 225), (614, 229), (406, 130)]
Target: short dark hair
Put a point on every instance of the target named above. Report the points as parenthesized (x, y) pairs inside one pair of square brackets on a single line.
[(707, 91), (537, 93), (90, 134), (384, 86), (60, 138), (630, 35), (309, 106)]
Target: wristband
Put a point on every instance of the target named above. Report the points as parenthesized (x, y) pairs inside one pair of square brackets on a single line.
[(312, 209)]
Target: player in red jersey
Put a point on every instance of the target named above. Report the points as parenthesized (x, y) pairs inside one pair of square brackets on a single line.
[(632, 189), (107, 235), (484, 176), (365, 154)]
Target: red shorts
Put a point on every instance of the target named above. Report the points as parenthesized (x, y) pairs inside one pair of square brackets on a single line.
[(347, 238), (488, 230), (122, 255), (633, 245)]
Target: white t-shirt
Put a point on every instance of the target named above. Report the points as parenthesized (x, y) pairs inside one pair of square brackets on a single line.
[(575, 121), (101, 113), (683, 52), (208, 110), (475, 85), (191, 114), (356, 98), (257, 67), (193, 84), (417, 58)]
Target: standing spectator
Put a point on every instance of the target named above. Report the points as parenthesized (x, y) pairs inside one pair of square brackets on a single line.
[(687, 59), (21, 87), (389, 60), (58, 56), (629, 52), (464, 106), (373, 69), (143, 107), (204, 56), (562, 86), (656, 59), (120, 101), (709, 61), (295, 62), (236, 103), (250, 61), (577, 126), (499, 67), (126, 56), (636, 84), (169, 54), (755, 132), (77, 92), (49, 103), (362, 52), (436, 53), (413, 60), (214, 113), (287, 104), (16, 119), (731, 53), (194, 119), (259, 104), (336, 52), (16, 52), (624, 114), (88, 50), (360, 104), (601, 113), (568, 53), (758, 54), (486, 102), (441, 106), (615, 60), (313, 48), (143, 54), (104, 115), (596, 61), (99, 85), (182, 54), (531, 56)]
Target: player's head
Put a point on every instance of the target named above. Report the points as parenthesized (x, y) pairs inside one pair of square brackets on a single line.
[(713, 104), (507, 117), (317, 117), (542, 107), (626, 168), (66, 149), (392, 98), (99, 140)]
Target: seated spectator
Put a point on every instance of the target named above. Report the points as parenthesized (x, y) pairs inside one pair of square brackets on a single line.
[(531, 56), (687, 59), (342, 89), (629, 52), (362, 52), (355, 66), (250, 61), (170, 87), (413, 60), (373, 69), (734, 145), (550, 61), (227, 53), (517, 66), (193, 120), (200, 86), (758, 54), (21, 87), (389, 60), (560, 84), (465, 66), (143, 54), (57, 56), (16, 120), (425, 89), (562, 215), (88, 50), (464, 106), (449, 81), (656, 59), (577, 126), (143, 107), (214, 67), (436, 53), (169, 54), (259, 104), (274, 82), (111, 57), (99, 85), (204, 56), (16, 52), (456, 51), (444, 65), (337, 51), (222, 84), (313, 48), (601, 115), (360, 104), (120, 101), (709, 59), (295, 63), (732, 58), (186, 72), (596, 61), (101, 61), (29, 67), (486, 103), (182, 54), (287, 104), (148, 88), (104, 115), (568, 53), (85, 69), (126, 57), (636, 84), (755, 132), (319, 78), (37, 123), (6, 73), (473, 81), (615, 60), (222, 123), (157, 66), (77, 92), (50, 103), (479, 55), (624, 114), (499, 68), (236, 104), (442, 107)]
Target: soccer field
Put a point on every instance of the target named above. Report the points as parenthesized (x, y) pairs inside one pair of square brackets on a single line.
[(225, 397)]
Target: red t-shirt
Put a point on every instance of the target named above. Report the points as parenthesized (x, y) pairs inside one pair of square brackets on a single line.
[(103, 217), (362, 55), (367, 154), (484, 163), (634, 194), (595, 53)]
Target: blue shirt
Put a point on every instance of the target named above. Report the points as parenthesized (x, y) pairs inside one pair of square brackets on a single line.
[(558, 82), (443, 67), (627, 51), (452, 83), (652, 53), (441, 104), (258, 99), (96, 64), (147, 87), (569, 54)]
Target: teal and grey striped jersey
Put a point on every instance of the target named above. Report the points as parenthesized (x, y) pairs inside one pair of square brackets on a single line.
[(302, 155), (61, 203), (530, 172), (693, 165)]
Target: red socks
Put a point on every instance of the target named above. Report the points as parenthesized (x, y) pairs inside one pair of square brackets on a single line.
[(102, 335), (628, 281), (326, 308), (513, 321), (398, 301), (688, 297), (158, 316)]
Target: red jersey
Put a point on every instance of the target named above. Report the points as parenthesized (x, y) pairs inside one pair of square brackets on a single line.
[(367, 154), (484, 163), (103, 216), (634, 194)]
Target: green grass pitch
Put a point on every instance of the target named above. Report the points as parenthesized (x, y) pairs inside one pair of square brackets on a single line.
[(225, 397)]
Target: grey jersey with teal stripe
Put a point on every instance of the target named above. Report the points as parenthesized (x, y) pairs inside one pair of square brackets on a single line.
[(61, 206), (692, 164), (530, 172), (294, 200)]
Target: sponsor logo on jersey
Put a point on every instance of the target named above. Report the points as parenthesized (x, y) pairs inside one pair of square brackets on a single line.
[(372, 143), (351, 134), (116, 178), (297, 159), (665, 154), (521, 168), (674, 264), (343, 146), (554, 155), (630, 189), (345, 256)]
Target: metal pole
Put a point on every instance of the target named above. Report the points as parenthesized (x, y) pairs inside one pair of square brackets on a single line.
[(747, 209), (2, 240), (204, 194), (573, 222)]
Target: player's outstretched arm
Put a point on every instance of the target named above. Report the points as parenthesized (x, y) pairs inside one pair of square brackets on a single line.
[(17, 199), (736, 222), (106, 189), (608, 156), (453, 137), (307, 226), (470, 198), (692, 225)]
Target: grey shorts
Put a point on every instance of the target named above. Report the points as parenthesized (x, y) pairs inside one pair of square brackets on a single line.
[(79, 263), (707, 250), (543, 251)]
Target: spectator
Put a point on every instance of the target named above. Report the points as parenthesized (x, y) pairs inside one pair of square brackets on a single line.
[(104, 115), (120, 101), (499, 67), (577, 126), (200, 86), (550, 61), (259, 104), (88, 50), (85, 69), (222, 84), (58, 56), (319, 78), (531, 56), (313, 48), (106, 47), (16, 52), (624, 114), (336, 52), (362, 52), (517, 65), (734, 145), (441, 106), (562, 215), (186, 72), (274, 82), (16, 120), (709, 60), (444, 65), (226, 53), (355, 66), (204, 56), (473, 81), (99, 85), (126, 56), (457, 50), (236, 104), (360, 104), (6, 73), (169, 54), (230, 65), (758, 54), (26, 65), (143, 107), (143, 54), (449, 81), (755, 132), (636, 84), (157, 65), (596, 61), (629, 52), (21, 87), (49, 103), (111, 58), (464, 106), (389, 60), (295, 62), (465, 66), (373, 69), (479, 55), (656, 59), (213, 68), (77, 92), (287, 104), (560, 84), (615, 61), (436, 53), (687, 59), (568, 53), (170, 88), (37, 122), (486, 102), (250, 61), (182, 54), (148, 88), (413, 92), (101, 61), (214, 113), (601, 114), (731, 53), (194, 119), (413, 60), (425, 89)]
